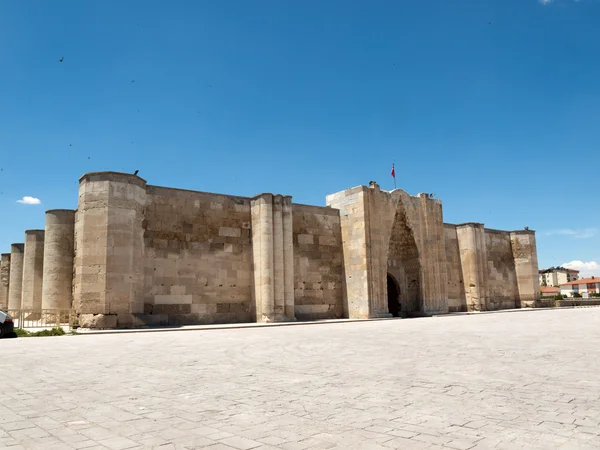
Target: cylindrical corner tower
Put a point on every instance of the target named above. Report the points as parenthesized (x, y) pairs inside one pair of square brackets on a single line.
[(15, 286), (58, 259), (108, 286), (33, 270)]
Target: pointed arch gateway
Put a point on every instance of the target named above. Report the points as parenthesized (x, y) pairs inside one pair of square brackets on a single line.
[(403, 267), (391, 234)]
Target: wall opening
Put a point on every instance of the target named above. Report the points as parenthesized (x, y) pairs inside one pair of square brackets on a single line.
[(393, 293), (404, 266)]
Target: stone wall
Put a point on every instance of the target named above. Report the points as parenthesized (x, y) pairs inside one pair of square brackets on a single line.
[(198, 257), (351, 204), (456, 287), (473, 263), (108, 274), (149, 255), (502, 290), (369, 220), (318, 263), (524, 249), (4, 279)]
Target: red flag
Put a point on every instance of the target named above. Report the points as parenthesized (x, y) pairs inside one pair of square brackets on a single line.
[(393, 171)]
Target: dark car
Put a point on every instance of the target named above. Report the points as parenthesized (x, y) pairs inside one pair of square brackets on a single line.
[(6, 324)]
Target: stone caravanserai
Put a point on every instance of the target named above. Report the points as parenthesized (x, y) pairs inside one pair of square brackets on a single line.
[(133, 254)]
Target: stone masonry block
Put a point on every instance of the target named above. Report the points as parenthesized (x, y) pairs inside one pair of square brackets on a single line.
[(98, 321)]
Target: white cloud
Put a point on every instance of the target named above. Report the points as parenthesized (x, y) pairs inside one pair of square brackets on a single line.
[(586, 269), (27, 200), (584, 233), (545, 2)]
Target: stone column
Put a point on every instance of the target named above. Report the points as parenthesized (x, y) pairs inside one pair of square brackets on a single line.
[(524, 250), (434, 278), (273, 285), (262, 251), (15, 286), (108, 286), (58, 259), (4, 279), (288, 258), (471, 245), (33, 270), (278, 274)]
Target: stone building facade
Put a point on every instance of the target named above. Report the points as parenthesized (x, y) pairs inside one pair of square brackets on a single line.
[(134, 254)]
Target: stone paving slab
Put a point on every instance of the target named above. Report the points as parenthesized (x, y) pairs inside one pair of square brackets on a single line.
[(490, 381), (220, 326)]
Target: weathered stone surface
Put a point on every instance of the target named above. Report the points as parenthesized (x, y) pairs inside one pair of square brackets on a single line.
[(59, 238), (15, 286), (524, 251), (151, 254), (4, 279), (109, 251), (379, 226), (318, 266), (33, 270), (473, 260), (98, 321), (197, 256), (272, 258)]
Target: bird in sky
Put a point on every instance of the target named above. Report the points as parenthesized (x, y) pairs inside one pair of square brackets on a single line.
[(61, 59)]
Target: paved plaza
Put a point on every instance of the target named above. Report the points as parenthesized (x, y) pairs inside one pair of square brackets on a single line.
[(504, 380)]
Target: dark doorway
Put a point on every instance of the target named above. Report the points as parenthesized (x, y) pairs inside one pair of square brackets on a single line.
[(393, 297)]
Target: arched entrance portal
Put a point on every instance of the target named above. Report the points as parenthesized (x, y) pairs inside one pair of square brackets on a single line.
[(393, 297), (403, 268)]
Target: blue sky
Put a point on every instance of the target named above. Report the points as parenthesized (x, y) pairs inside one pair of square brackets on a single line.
[(494, 106)]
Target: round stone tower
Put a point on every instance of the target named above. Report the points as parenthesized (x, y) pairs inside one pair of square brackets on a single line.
[(33, 272), (108, 286), (15, 286), (58, 259)]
